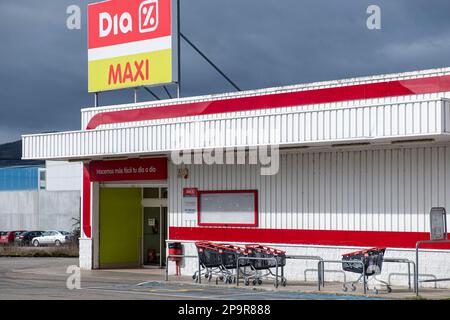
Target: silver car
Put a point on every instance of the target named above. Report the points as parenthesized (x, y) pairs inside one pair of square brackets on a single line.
[(52, 237)]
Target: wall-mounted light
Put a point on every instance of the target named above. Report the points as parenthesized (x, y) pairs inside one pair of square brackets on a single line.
[(183, 173)]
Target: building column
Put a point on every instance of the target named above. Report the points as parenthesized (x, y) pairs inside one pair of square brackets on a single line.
[(85, 259)]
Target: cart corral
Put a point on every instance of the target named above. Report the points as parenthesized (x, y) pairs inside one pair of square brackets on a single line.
[(253, 263)]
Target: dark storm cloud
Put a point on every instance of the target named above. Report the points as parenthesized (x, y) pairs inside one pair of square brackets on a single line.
[(259, 43)]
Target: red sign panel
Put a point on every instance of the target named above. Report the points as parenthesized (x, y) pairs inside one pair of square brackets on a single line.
[(117, 22), (128, 170), (190, 192)]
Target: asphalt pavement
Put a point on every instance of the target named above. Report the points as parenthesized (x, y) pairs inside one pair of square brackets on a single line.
[(47, 278)]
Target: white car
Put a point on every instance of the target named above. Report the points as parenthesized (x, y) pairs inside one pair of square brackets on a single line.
[(53, 237)]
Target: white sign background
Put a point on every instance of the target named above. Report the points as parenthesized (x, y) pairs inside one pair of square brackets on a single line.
[(190, 208), (227, 208)]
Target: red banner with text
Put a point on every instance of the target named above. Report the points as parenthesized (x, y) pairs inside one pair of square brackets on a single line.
[(128, 170)]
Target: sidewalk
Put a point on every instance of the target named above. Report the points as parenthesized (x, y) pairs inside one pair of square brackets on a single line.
[(158, 275)]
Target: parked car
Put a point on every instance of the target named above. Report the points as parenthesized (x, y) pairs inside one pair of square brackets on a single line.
[(24, 239), (52, 237), (7, 237)]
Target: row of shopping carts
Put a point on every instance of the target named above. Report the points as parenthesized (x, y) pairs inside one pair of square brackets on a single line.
[(256, 262)]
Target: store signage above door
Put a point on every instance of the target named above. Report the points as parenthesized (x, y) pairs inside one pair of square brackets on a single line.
[(131, 43), (128, 170)]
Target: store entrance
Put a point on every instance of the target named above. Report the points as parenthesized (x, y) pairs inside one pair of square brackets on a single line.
[(154, 226)]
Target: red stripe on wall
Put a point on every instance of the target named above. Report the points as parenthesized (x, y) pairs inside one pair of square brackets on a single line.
[(86, 202), (268, 101), (306, 237)]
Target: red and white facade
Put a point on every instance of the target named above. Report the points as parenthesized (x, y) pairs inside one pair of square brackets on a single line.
[(362, 161)]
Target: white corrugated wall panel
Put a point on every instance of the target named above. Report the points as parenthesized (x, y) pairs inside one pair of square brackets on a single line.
[(389, 189), (310, 126)]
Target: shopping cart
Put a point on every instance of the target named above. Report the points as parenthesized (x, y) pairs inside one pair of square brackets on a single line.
[(270, 259), (230, 254), (210, 260), (373, 263)]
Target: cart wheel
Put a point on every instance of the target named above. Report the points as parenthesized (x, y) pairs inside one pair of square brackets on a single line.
[(206, 276), (375, 290), (344, 288), (254, 282), (234, 280), (194, 277), (389, 289), (284, 282), (353, 287), (246, 282), (259, 281)]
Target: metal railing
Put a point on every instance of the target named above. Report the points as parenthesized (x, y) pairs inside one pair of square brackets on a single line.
[(321, 266), (416, 277), (409, 263), (256, 258), (325, 271), (303, 257)]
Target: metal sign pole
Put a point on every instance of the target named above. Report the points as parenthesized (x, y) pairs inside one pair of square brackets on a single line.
[(96, 99), (179, 49), (160, 236)]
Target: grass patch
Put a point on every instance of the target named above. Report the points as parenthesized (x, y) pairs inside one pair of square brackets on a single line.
[(54, 252)]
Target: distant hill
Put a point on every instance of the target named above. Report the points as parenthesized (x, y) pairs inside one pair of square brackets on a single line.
[(11, 154)]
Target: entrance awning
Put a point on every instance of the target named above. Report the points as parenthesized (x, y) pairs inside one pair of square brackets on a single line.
[(331, 126)]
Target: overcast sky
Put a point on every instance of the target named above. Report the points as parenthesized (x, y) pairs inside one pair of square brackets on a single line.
[(258, 43)]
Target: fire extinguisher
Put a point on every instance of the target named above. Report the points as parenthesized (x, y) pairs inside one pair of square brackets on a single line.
[(151, 255), (175, 248)]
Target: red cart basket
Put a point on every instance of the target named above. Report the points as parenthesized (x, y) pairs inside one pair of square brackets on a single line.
[(209, 259)]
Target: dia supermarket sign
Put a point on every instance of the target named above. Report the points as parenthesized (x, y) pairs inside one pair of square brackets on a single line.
[(131, 43)]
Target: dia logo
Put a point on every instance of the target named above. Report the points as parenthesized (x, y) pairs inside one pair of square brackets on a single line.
[(148, 16)]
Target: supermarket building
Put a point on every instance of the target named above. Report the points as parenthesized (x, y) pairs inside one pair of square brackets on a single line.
[(361, 163)]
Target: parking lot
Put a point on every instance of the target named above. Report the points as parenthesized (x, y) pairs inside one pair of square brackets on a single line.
[(45, 278), (37, 238)]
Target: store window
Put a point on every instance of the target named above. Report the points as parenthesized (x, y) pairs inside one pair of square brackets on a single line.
[(228, 208), (151, 193), (163, 193)]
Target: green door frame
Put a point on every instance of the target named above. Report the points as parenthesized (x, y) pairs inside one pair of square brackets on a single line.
[(155, 203)]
